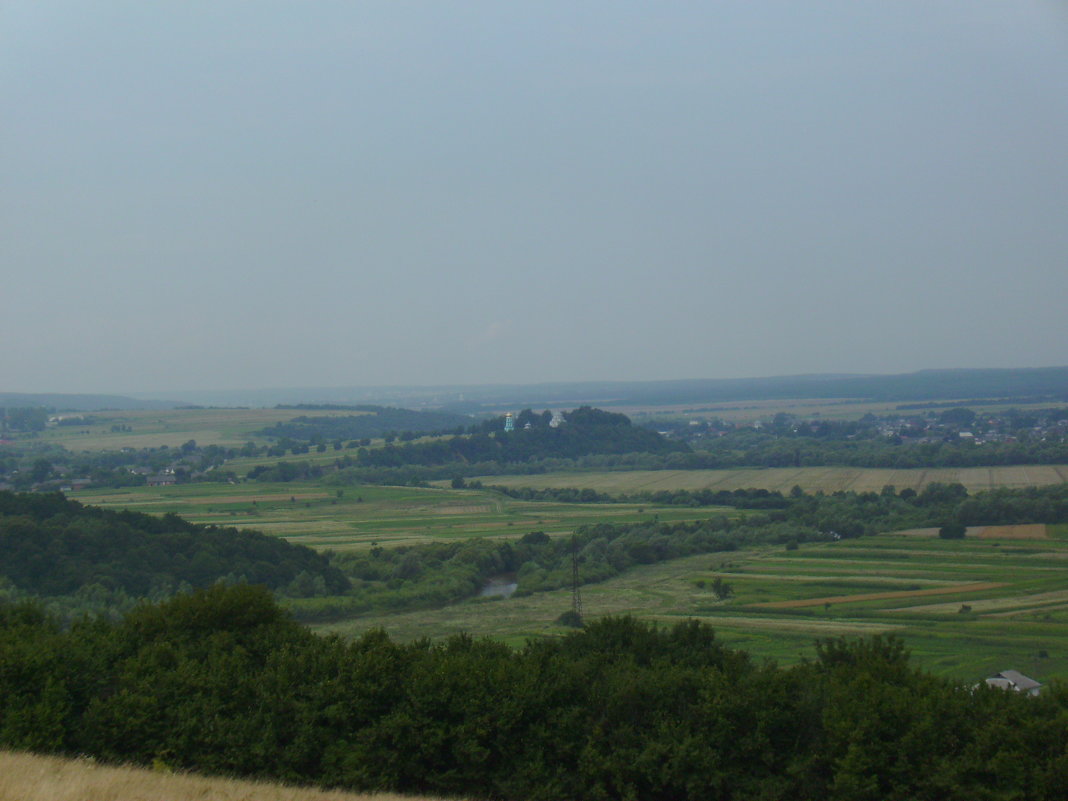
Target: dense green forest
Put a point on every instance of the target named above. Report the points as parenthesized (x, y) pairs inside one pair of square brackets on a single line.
[(83, 557), (374, 421), (586, 431), (221, 681)]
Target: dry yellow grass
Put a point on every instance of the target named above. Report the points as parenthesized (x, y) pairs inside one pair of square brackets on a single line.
[(27, 777)]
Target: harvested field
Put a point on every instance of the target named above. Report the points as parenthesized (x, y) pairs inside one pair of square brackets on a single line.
[(783, 479), (972, 531), (462, 510), (1034, 531), (880, 596)]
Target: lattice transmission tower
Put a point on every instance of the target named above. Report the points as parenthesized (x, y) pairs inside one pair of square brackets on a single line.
[(576, 594)]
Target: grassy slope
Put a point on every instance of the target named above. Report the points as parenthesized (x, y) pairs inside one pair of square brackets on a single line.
[(810, 479), (1009, 627), (27, 777)]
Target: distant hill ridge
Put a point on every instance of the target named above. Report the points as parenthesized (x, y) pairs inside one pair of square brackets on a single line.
[(923, 385), (81, 403)]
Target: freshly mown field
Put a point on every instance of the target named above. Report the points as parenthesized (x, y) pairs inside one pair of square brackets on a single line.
[(783, 479), (966, 608), (355, 517), (29, 777)]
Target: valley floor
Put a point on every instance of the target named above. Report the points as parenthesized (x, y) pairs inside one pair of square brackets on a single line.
[(966, 608)]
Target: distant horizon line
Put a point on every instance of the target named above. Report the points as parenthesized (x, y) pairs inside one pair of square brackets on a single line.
[(161, 395), (572, 382)]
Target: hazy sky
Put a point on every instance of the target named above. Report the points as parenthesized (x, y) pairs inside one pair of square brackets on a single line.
[(217, 195)]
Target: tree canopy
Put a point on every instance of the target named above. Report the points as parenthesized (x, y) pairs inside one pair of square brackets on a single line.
[(51, 546)]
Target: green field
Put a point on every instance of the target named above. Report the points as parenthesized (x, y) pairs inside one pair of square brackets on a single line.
[(313, 514), (783, 479), (1017, 590), (913, 584), (151, 429)]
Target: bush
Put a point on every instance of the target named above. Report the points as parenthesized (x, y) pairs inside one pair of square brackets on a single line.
[(952, 531), (570, 618)]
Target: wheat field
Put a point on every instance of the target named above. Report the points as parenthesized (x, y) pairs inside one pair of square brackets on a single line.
[(28, 777)]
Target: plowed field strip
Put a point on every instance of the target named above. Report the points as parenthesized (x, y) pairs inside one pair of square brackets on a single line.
[(453, 510), (879, 596), (1030, 610), (792, 624), (989, 604), (866, 579)]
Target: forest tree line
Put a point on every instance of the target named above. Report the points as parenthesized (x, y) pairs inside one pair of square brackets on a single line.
[(221, 681), (84, 558)]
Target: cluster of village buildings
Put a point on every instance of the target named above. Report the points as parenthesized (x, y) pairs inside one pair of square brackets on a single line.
[(1043, 425)]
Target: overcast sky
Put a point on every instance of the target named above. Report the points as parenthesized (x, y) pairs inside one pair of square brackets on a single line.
[(224, 195)]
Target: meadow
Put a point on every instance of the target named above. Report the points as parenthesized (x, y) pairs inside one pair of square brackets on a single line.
[(151, 429), (322, 516), (783, 479), (966, 609)]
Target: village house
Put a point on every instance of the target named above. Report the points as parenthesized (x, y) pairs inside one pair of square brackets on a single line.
[(1016, 681)]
